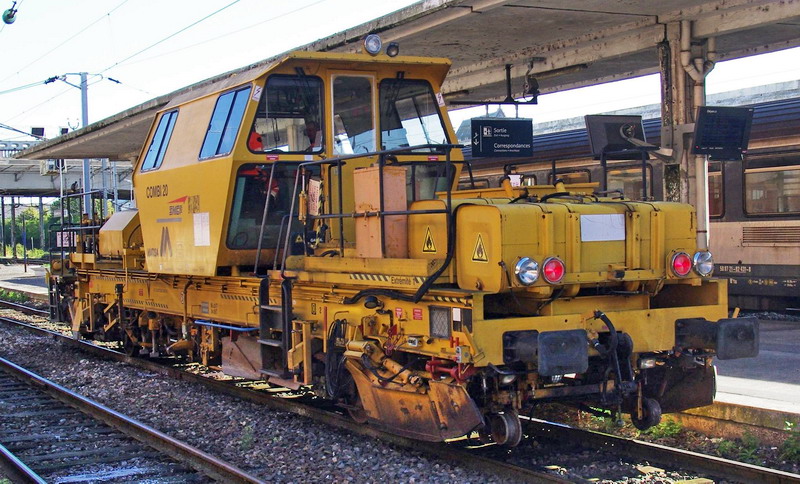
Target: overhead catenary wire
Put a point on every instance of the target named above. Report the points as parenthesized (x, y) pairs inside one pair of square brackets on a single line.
[(84, 29), (26, 86), (196, 22), (227, 34), (38, 105), (11, 128)]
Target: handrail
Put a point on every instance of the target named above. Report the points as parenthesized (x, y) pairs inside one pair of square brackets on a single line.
[(381, 155)]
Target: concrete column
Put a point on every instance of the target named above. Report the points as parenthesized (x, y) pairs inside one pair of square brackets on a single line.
[(685, 67), (3, 227), (42, 234), (13, 231)]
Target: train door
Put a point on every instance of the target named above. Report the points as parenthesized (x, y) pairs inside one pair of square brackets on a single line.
[(353, 120)]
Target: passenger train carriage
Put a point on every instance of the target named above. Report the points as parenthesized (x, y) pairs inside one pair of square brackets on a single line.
[(300, 222)]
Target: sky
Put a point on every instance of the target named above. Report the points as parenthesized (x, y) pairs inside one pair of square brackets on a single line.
[(102, 37), (153, 47)]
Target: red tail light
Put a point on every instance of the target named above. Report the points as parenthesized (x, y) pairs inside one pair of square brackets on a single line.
[(554, 270), (681, 264)]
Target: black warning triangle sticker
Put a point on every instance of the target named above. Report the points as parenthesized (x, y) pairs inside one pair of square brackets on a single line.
[(428, 246), (479, 253)]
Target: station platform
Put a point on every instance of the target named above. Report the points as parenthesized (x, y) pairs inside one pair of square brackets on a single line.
[(28, 280), (769, 382)]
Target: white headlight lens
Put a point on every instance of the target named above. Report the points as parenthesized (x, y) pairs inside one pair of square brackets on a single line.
[(703, 263), (507, 379), (646, 363), (373, 44), (527, 271)]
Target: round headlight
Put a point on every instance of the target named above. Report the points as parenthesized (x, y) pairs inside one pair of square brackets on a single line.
[(703, 263), (681, 264), (507, 379), (373, 44), (527, 271), (392, 49)]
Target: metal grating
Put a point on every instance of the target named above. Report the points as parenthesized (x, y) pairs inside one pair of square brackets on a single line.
[(440, 322), (771, 236)]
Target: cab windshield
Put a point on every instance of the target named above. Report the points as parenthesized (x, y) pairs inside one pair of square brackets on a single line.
[(410, 116), (289, 116)]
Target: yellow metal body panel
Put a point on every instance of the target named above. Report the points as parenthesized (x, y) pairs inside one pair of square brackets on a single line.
[(121, 231), (183, 217), (222, 299), (493, 238), (188, 237)]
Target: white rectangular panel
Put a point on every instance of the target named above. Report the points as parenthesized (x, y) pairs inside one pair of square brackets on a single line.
[(602, 227)]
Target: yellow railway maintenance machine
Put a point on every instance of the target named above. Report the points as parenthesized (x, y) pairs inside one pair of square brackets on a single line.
[(299, 222)]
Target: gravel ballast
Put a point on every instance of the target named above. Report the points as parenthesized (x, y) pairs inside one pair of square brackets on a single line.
[(273, 445), (282, 447)]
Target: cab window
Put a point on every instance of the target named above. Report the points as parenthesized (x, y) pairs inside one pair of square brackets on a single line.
[(249, 198), (410, 115), (353, 116), (224, 124), (289, 116), (158, 146)]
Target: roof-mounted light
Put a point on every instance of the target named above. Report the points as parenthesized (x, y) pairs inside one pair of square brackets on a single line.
[(392, 49), (373, 44)]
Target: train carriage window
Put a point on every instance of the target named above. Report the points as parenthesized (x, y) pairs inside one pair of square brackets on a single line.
[(289, 116), (628, 180), (224, 124), (158, 146), (410, 115), (577, 176), (772, 185), (528, 180), (716, 201), (353, 116)]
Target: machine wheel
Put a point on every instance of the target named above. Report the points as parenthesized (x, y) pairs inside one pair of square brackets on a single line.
[(651, 417), (624, 345), (131, 348), (506, 428), (356, 410)]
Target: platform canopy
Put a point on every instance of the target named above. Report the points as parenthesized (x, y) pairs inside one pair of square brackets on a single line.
[(562, 45)]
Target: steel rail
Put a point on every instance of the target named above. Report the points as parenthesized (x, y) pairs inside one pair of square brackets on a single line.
[(656, 453), (201, 461), (24, 309), (16, 470), (663, 455), (442, 450)]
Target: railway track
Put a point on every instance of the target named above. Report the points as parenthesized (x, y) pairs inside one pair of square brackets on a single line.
[(49, 433), (463, 452), (25, 309)]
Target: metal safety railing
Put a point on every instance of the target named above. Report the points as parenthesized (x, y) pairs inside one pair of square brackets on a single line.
[(384, 158)]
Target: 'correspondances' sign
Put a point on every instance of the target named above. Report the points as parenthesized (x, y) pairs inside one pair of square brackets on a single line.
[(502, 137)]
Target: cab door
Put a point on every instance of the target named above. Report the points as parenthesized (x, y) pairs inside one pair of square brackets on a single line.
[(354, 123)]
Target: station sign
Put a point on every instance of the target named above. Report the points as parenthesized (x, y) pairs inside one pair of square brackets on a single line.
[(502, 137), (722, 132)]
